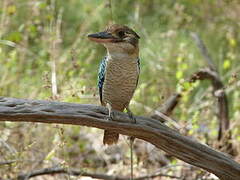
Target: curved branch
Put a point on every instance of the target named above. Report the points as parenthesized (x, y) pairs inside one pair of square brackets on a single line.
[(218, 91), (213, 75), (150, 130)]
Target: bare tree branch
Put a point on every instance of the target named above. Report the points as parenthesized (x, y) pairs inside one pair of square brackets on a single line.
[(7, 146), (162, 113), (213, 75), (218, 91), (7, 162), (59, 170), (157, 175), (204, 51), (170, 141), (74, 172), (168, 106)]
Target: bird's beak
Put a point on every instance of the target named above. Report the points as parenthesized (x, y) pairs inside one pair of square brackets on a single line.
[(102, 37)]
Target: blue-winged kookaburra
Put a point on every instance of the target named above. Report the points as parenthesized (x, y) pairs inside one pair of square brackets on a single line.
[(118, 72)]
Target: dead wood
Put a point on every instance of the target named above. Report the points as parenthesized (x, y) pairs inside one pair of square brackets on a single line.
[(218, 88), (150, 130), (167, 108), (218, 92)]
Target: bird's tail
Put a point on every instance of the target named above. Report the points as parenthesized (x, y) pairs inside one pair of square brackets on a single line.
[(110, 137)]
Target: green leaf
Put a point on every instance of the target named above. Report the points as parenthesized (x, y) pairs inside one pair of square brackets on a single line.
[(50, 154), (179, 59), (226, 64), (232, 42), (11, 9), (183, 66), (186, 85), (179, 74), (15, 37)]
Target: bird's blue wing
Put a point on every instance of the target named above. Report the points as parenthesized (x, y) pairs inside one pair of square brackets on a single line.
[(101, 77), (138, 61)]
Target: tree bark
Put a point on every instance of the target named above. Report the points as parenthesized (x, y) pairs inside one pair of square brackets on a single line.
[(150, 130)]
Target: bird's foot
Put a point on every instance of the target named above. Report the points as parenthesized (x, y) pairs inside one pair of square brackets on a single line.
[(110, 116), (110, 113)]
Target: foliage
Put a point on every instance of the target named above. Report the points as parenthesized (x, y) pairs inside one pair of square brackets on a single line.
[(35, 34)]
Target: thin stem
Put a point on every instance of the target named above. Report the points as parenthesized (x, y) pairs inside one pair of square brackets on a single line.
[(110, 9), (131, 155)]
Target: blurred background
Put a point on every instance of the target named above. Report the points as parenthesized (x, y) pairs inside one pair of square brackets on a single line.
[(45, 54)]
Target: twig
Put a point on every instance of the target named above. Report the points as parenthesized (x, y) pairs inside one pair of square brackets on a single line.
[(163, 118), (74, 172), (3, 17), (162, 113), (55, 27), (7, 162), (59, 170), (8, 147), (157, 175), (204, 51), (109, 5), (172, 142), (131, 139), (168, 107)]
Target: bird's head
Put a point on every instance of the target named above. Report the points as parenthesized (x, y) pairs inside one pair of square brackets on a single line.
[(118, 39)]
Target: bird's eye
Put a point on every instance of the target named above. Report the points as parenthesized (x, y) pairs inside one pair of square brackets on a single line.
[(121, 34)]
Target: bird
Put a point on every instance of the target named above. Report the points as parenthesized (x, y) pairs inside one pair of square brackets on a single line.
[(119, 71)]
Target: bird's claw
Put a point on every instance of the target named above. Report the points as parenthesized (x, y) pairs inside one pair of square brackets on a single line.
[(111, 116)]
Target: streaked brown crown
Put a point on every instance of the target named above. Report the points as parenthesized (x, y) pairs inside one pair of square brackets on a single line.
[(121, 31), (114, 34)]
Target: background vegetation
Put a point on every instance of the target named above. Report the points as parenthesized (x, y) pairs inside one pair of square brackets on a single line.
[(35, 34)]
